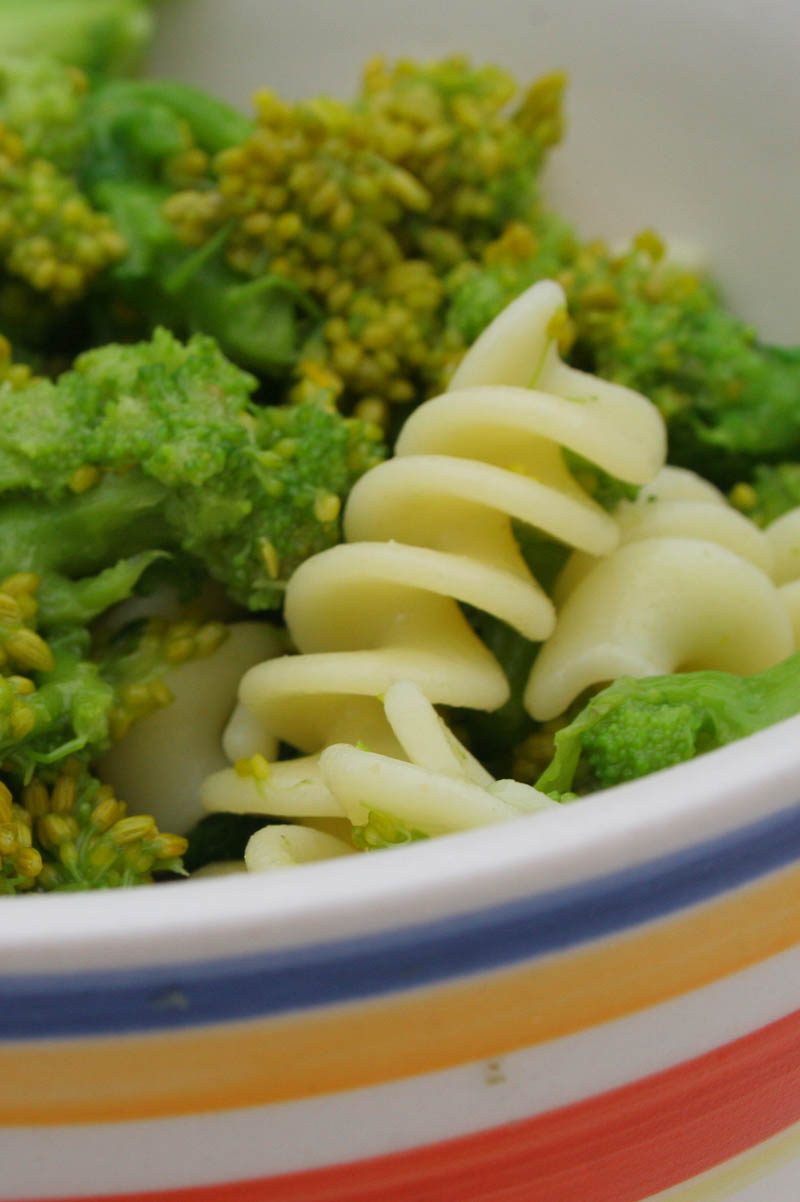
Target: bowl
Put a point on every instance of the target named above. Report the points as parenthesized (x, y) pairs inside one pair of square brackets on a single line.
[(604, 1007)]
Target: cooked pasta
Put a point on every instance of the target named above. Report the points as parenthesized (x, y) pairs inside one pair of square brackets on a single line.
[(678, 503), (432, 786), (784, 536), (162, 761), (432, 528), (689, 587)]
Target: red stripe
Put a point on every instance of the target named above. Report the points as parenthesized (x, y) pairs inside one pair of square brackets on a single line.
[(621, 1146)]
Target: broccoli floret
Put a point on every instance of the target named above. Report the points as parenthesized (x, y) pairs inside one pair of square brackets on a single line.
[(449, 125), (42, 102), (728, 400), (134, 661), (636, 727), (480, 289), (104, 37), (772, 492), (157, 447), (77, 691), (12, 375), (58, 696), (148, 141), (50, 237), (67, 831), (59, 708), (350, 215)]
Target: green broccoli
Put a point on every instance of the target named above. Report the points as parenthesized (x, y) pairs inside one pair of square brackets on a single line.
[(772, 491), (480, 288), (50, 237), (42, 101), (349, 215), (635, 727), (147, 142), (158, 447), (728, 400), (384, 830), (67, 831), (449, 125), (63, 691), (104, 37)]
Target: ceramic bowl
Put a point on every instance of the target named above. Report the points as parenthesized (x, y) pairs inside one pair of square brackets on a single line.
[(602, 1006)]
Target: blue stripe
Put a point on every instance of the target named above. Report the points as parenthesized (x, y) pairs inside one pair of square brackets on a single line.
[(248, 987)]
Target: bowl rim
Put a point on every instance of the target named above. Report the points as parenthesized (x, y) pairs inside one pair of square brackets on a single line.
[(463, 873)]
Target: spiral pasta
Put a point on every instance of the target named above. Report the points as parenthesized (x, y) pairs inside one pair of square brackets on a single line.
[(428, 529), (690, 586), (784, 537)]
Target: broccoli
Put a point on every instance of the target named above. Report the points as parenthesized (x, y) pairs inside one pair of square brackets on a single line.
[(383, 830), (63, 701), (50, 237), (70, 692), (84, 174), (13, 375), (67, 831), (221, 838), (349, 215), (104, 37), (728, 400), (42, 101), (524, 253), (635, 727), (140, 458), (449, 125), (147, 142), (55, 246), (157, 447), (773, 490)]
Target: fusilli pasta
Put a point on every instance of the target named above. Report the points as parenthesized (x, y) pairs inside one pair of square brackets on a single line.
[(430, 528), (689, 587), (784, 535)]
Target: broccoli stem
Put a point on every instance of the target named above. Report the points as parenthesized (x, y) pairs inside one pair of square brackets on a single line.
[(121, 516)]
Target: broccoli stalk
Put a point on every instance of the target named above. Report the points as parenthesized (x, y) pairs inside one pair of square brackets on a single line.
[(636, 727)]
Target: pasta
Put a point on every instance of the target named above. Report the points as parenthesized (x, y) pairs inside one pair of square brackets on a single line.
[(163, 759), (784, 536), (689, 587), (427, 530)]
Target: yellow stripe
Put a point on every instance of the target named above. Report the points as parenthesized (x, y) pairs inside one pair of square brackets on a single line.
[(735, 1175), (346, 1047)]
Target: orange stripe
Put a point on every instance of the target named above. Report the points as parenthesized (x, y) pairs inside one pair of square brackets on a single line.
[(318, 1052)]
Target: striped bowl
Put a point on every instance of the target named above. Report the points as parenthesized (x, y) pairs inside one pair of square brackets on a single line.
[(602, 1005)]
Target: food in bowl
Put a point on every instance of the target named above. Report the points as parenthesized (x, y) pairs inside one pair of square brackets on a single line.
[(254, 311)]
